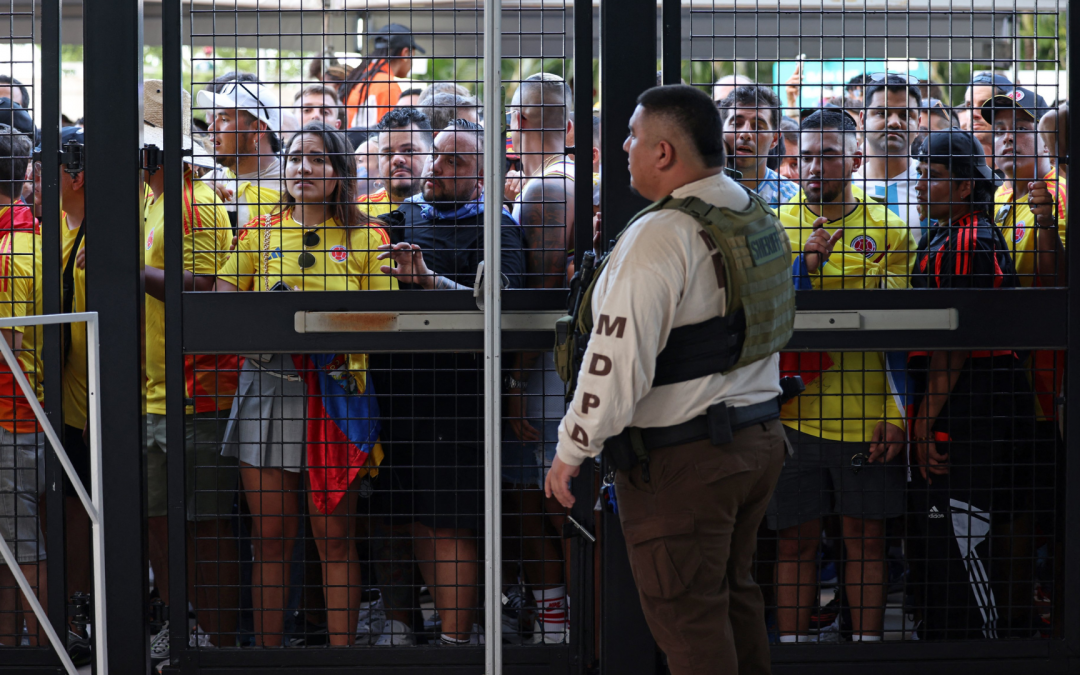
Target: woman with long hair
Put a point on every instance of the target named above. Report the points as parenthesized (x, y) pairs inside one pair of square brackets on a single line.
[(316, 411), (369, 90)]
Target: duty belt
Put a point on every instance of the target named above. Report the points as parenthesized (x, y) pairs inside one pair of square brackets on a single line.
[(718, 425)]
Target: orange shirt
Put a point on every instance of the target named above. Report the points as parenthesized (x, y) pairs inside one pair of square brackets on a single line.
[(372, 97)]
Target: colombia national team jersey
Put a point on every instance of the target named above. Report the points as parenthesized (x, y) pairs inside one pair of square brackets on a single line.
[(20, 295), (1017, 224), (345, 259), (75, 378), (209, 380), (847, 393), (376, 204)]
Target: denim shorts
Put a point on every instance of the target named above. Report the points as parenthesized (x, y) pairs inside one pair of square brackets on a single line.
[(527, 462)]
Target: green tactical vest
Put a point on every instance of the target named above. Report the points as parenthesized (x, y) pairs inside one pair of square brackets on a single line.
[(760, 313)]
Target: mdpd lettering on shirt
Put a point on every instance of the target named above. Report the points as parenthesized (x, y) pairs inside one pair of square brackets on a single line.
[(605, 326)]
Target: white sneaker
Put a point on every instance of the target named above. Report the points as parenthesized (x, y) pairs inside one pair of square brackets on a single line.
[(159, 644), (395, 634), (199, 639), (370, 621)]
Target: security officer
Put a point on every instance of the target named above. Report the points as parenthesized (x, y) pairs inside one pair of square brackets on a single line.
[(680, 384)]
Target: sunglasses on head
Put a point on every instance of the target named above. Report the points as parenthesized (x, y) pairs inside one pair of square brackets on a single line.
[(883, 77)]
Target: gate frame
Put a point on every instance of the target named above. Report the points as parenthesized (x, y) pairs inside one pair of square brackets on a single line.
[(1056, 311)]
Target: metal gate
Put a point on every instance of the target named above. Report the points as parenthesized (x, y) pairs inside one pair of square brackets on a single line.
[(632, 45)]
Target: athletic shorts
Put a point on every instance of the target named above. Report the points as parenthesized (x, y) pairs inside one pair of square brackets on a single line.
[(437, 484), (22, 480), (819, 480), (211, 477)]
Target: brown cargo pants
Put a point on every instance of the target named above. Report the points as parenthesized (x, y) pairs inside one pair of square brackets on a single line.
[(691, 533)]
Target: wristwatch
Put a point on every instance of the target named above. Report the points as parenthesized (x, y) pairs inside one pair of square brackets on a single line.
[(510, 383)]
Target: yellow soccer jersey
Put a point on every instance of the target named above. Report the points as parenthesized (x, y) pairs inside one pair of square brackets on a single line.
[(20, 295), (207, 235), (376, 204), (1017, 223), (75, 378), (344, 259), (847, 393)]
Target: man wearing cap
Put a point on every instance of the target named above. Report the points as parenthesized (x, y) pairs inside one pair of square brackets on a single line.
[(370, 90), (1032, 212), (244, 122), (210, 383), (22, 444), (962, 469), (1031, 205), (985, 86)]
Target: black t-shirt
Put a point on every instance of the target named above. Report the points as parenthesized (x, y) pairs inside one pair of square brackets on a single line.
[(969, 252), (439, 396)]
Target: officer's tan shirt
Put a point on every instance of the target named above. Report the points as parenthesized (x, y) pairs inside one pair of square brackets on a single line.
[(660, 276)]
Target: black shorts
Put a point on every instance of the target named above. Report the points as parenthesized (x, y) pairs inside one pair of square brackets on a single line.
[(79, 454), (439, 485)]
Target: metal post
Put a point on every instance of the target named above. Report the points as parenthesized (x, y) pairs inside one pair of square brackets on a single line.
[(1071, 483), (494, 145), (51, 39), (672, 41), (582, 551), (626, 645), (172, 76), (112, 50)]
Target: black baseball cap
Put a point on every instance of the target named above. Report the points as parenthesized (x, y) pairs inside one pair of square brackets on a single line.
[(955, 147), (1018, 99), (992, 79), (68, 134), (13, 115), (396, 37)]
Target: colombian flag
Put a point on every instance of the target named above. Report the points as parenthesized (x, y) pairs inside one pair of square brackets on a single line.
[(807, 365), (342, 427)]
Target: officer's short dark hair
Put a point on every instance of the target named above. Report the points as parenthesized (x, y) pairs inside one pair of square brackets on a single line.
[(403, 118), (893, 83), (691, 110), (15, 149), (752, 97)]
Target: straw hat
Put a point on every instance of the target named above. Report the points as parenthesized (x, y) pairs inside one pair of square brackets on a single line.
[(154, 122)]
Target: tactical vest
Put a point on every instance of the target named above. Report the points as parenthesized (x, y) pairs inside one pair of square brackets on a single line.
[(760, 313)]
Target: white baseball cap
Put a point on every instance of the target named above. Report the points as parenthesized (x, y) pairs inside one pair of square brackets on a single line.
[(250, 97)]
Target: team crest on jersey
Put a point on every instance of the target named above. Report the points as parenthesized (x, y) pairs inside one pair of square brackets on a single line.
[(338, 253), (150, 240), (1021, 230), (864, 244)]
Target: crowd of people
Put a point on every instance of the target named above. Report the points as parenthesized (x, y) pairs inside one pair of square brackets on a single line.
[(375, 460)]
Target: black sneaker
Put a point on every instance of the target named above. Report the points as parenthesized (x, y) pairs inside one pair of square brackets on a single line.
[(79, 649)]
